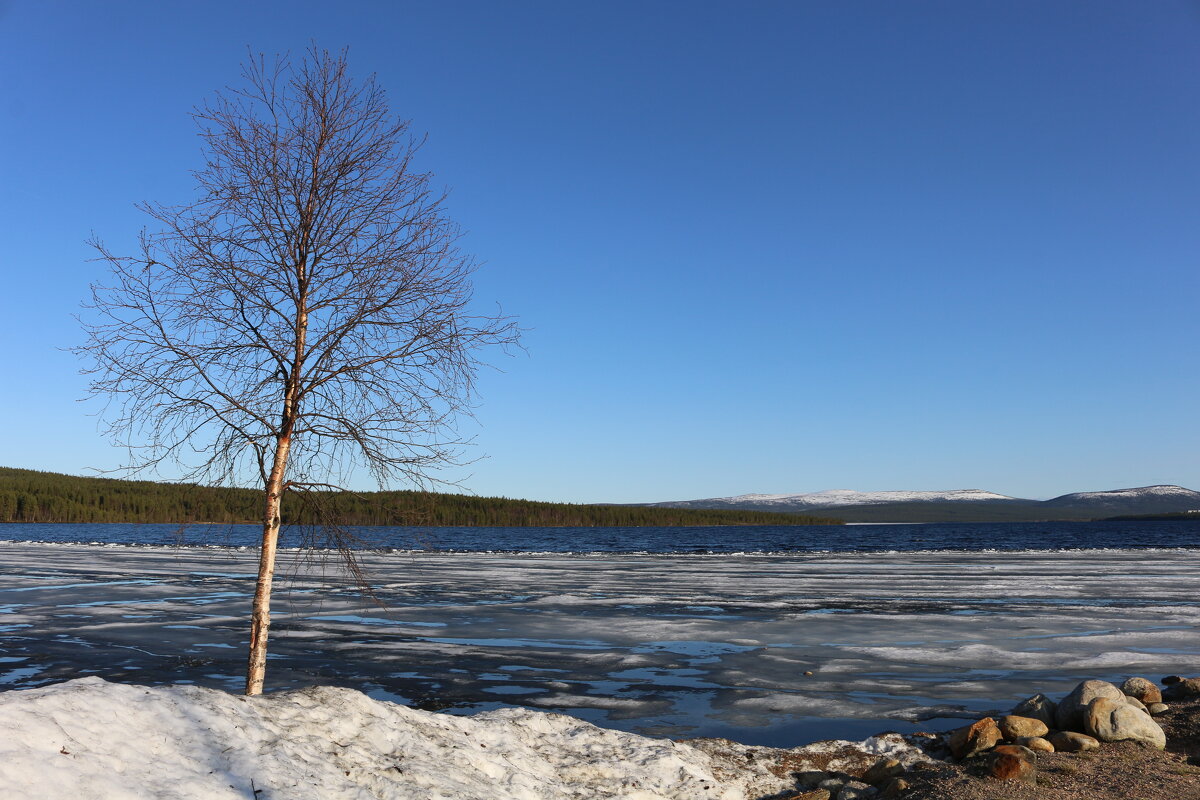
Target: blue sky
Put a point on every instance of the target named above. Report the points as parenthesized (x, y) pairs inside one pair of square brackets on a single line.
[(760, 247)]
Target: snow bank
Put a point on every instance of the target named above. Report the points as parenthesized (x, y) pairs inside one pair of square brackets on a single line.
[(94, 740), (91, 739)]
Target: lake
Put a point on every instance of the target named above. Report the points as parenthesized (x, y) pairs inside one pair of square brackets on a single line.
[(675, 632)]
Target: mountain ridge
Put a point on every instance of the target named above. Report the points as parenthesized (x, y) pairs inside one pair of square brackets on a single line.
[(961, 505)]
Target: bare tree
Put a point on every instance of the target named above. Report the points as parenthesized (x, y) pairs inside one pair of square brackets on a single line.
[(307, 316)]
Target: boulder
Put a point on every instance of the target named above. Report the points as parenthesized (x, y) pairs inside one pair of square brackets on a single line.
[(1038, 744), (1112, 721), (1157, 708), (974, 738), (893, 789), (1171, 679), (1016, 750), (1010, 762), (882, 771), (1142, 689), (1073, 707), (1183, 689), (1072, 742), (1013, 727), (1138, 704), (1037, 707)]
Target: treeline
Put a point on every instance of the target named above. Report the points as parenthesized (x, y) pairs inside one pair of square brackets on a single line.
[(31, 496)]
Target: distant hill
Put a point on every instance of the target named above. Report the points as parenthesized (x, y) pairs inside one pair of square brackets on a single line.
[(960, 505), (31, 496)]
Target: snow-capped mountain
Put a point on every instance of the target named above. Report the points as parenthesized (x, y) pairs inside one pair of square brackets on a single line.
[(961, 505), (832, 498), (1165, 495)]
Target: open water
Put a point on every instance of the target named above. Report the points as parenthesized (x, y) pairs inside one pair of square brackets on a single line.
[(711, 539)]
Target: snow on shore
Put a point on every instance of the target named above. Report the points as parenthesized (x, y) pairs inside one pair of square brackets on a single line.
[(92, 739), (89, 738)]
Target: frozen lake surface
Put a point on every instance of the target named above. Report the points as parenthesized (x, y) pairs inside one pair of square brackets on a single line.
[(662, 644)]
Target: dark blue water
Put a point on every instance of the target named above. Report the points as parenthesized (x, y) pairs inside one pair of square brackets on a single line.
[(722, 539)]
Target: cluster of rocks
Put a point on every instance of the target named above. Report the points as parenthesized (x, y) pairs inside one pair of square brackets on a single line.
[(1094, 712), (1007, 747)]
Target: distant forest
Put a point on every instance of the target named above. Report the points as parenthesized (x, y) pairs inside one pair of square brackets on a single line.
[(31, 496)]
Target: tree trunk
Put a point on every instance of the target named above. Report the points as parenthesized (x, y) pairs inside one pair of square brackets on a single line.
[(260, 621)]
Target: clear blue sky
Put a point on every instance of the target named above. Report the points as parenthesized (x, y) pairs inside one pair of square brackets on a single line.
[(761, 247)]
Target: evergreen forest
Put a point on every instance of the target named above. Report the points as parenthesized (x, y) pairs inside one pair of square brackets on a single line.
[(32, 496)]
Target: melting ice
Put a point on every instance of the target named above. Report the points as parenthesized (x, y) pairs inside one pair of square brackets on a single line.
[(678, 645)]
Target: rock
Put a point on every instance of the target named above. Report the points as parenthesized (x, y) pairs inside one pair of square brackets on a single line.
[(1007, 763), (856, 790), (1014, 727), (893, 789), (1142, 689), (1072, 742), (1072, 708), (1037, 707), (814, 794), (1038, 744), (973, 739), (1171, 679), (1016, 750), (1183, 689), (1113, 721), (1157, 708), (1138, 704), (882, 771)]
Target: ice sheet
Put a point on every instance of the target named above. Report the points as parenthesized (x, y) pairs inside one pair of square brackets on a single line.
[(677, 645)]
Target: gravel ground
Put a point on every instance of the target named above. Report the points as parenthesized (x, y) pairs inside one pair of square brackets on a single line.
[(1117, 771)]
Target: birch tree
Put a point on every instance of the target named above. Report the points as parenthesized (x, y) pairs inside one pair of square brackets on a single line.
[(308, 315)]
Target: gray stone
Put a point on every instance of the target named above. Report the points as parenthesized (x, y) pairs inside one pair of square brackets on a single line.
[(1138, 704), (1072, 708), (893, 789), (1113, 721), (1037, 707), (1157, 708)]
